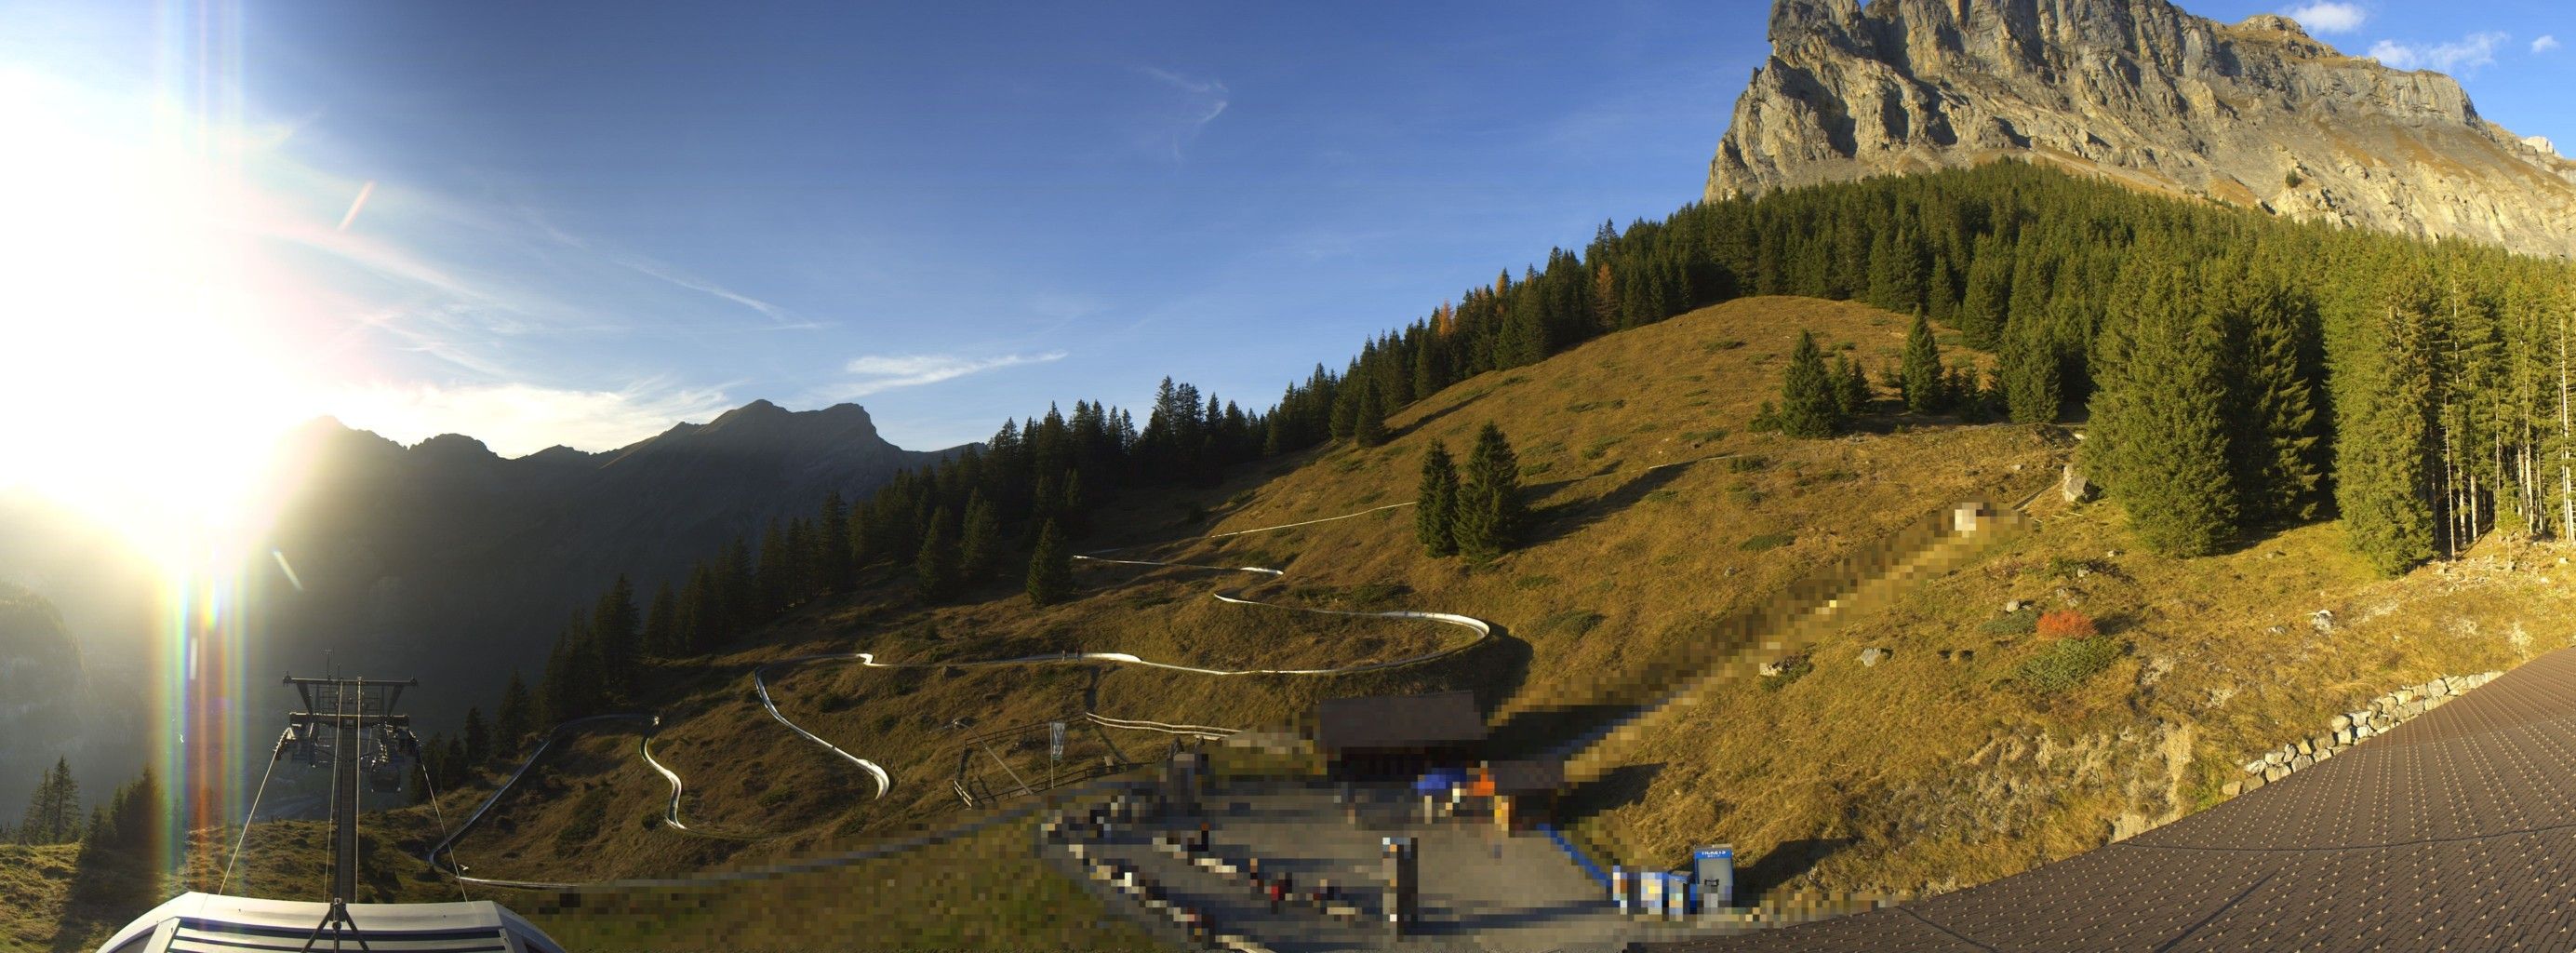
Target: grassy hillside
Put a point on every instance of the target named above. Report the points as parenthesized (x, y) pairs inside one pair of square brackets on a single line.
[(1669, 548), (1665, 539)]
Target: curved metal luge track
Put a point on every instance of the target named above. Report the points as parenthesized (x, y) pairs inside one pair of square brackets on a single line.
[(1482, 633)]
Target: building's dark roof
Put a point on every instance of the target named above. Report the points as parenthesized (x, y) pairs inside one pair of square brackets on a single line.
[(1398, 721), (1527, 777), (2455, 830), (201, 921)]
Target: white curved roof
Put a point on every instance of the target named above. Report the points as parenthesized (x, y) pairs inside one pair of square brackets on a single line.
[(209, 923)]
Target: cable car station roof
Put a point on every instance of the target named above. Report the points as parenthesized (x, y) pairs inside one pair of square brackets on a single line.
[(208, 923)]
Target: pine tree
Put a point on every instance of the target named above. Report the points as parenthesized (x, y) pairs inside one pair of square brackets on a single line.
[(1489, 515), (1368, 427), (615, 625), (833, 568), (1050, 568), (1807, 399), (53, 814), (516, 719), (1921, 369), (1436, 506), (2159, 433), (2273, 441), (2383, 477), (662, 637), (2029, 376), (935, 567), (1983, 306), (1850, 387), (982, 549), (478, 737)]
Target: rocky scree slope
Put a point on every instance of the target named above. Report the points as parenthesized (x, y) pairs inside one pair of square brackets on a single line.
[(2255, 114)]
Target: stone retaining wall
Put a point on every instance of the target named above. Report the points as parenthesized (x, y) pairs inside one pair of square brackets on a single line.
[(2352, 728)]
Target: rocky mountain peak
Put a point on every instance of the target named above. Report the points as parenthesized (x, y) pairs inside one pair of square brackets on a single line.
[(2256, 114)]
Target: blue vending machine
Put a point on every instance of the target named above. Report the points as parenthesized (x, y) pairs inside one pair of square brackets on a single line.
[(1713, 877)]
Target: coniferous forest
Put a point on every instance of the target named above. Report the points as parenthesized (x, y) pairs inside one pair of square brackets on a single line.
[(2231, 371)]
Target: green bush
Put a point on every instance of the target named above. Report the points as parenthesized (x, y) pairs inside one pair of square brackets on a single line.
[(1766, 541), (2023, 621), (585, 821), (1571, 622), (2064, 665)]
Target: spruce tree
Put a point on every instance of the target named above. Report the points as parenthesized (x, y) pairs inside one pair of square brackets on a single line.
[(1489, 514), (2159, 430), (1850, 387), (1368, 427), (2273, 439), (1436, 505), (2029, 376), (517, 717), (1920, 367), (982, 549), (935, 566), (661, 636), (1988, 298), (1807, 393), (478, 737), (832, 552), (1050, 568), (615, 626), (53, 814), (2384, 482)]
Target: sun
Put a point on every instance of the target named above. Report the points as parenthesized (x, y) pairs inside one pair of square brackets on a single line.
[(141, 385)]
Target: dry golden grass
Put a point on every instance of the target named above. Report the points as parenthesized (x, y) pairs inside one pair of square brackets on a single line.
[(1667, 547)]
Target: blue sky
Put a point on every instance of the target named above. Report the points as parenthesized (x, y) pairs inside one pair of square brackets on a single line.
[(583, 222)]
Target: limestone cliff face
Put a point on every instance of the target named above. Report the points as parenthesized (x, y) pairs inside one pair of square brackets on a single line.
[(2255, 113)]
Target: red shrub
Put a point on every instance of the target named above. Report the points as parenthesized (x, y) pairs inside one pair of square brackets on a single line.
[(2065, 624)]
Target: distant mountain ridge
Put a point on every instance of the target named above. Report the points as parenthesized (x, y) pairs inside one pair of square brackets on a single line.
[(404, 555), (2256, 114), (445, 561)]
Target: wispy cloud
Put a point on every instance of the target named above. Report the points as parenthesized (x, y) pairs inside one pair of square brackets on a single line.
[(880, 373), (519, 419), (2466, 53), (2544, 44), (1199, 102), (780, 319), (2326, 16)]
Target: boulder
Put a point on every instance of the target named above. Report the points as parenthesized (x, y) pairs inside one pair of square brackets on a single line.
[(2322, 620), (2072, 485), (1872, 656)]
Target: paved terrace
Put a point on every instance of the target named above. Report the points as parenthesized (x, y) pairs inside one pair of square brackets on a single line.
[(2455, 831), (1480, 891)]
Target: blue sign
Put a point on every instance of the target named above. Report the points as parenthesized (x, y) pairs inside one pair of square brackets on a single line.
[(1713, 877)]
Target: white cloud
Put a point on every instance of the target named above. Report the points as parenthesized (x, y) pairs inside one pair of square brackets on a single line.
[(2326, 16), (1200, 102), (2466, 53), (520, 419), (879, 373), (2544, 44)]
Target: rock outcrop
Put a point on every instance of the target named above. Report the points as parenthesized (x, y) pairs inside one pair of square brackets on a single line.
[(2254, 114)]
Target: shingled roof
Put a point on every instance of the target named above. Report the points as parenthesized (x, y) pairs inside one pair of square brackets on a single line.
[(1398, 721)]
